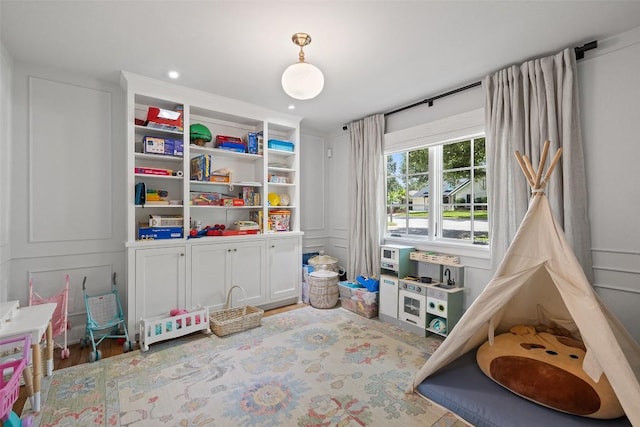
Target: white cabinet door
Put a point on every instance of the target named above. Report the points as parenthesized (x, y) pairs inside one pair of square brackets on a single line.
[(209, 276), (216, 267), (284, 267), (247, 270), (160, 281)]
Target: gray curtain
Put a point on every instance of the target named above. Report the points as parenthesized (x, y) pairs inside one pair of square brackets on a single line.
[(366, 198), (525, 106)]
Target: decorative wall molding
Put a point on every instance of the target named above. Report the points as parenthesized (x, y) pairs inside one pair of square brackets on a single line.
[(69, 162)]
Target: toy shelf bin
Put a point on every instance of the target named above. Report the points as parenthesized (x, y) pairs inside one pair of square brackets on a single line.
[(277, 144)]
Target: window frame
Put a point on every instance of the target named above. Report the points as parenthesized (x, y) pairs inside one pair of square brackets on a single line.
[(450, 129)]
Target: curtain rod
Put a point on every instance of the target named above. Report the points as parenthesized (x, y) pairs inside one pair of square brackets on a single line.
[(579, 51)]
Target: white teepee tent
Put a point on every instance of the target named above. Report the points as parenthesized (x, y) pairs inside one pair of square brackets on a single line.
[(540, 280)]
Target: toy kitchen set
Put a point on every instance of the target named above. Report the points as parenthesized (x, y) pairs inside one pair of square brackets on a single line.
[(421, 292)]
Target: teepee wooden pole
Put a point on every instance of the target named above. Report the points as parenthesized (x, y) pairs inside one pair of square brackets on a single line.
[(525, 171), (532, 173), (543, 158), (553, 164)]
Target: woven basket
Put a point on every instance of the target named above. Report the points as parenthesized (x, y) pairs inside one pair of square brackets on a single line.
[(237, 319), (323, 289), (324, 262)]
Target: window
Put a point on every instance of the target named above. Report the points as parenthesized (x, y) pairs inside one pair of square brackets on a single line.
[(439, 192)]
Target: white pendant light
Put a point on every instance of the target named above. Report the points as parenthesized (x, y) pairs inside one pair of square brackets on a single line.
[(302, 80)]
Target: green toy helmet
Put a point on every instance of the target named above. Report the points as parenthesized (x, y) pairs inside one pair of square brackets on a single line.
[(199, 134)]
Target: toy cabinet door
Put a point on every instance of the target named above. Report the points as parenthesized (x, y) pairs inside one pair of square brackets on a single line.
[(284, 277), (160, 280), (247, 267), (209, 274)]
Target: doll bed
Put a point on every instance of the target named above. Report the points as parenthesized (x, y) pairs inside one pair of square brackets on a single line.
[(462, 388)]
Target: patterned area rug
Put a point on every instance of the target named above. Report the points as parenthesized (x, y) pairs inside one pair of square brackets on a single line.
[(305, 367)]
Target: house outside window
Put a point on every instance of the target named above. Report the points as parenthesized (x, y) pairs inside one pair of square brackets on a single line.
[(438, 193)]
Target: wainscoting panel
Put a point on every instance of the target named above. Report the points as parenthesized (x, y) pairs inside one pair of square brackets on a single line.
[(617, 282), (70, 191), (48, 277), (50, 282), (312, 185), (339, 188)]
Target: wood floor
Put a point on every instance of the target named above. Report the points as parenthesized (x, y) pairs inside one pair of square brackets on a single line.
[(108, 348)]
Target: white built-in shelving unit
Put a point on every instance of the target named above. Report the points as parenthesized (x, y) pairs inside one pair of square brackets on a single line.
[(190, 272)]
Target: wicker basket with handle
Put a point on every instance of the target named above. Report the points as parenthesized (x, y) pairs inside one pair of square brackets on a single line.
[(235, 319)]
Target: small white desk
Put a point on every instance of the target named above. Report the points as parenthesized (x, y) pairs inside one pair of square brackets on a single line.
[(34, 320)]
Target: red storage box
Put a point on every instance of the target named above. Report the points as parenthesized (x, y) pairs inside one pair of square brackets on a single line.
[(160, 118), (229, 141)]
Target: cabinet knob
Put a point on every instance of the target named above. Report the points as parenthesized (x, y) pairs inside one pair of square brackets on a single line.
[(181, 254), (228, 250), (235, 250), (273, 246)]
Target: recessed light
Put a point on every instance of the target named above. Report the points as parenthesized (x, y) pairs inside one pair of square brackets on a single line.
[(291, 107), (174, 74)]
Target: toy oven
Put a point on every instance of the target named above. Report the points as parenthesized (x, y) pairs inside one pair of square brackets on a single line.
[(412, 304)]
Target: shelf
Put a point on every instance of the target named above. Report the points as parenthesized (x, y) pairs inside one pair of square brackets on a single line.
[(281, 207), (154, 131), (149, 175), (228, 184), (153, 205), (433, 331), (196, 149), (225, 207), (158, 157), (280, 169), (280, 184), (282, 153)]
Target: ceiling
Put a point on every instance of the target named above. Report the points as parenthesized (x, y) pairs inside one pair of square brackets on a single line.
[(376, 55)]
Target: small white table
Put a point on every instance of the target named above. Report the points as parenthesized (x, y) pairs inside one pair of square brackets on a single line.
[(34, 320)]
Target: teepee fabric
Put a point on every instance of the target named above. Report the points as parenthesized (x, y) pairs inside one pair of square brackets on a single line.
[(539, 281)]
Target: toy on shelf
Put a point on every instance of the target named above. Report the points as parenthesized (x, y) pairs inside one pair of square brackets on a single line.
[(222, 230), (199, 134), (207, 231)]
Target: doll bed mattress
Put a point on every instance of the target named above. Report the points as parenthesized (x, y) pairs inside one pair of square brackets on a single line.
[(462, 388)]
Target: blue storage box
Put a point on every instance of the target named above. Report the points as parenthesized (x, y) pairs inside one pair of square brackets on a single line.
[(352, 285), (166, 146), (276, 144), (159, 233), (370, 283), (252, 143), (232, 146)]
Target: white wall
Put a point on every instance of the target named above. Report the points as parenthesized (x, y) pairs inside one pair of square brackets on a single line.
[(6, 99), (66, 200), (609, 94), (314, 177)]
